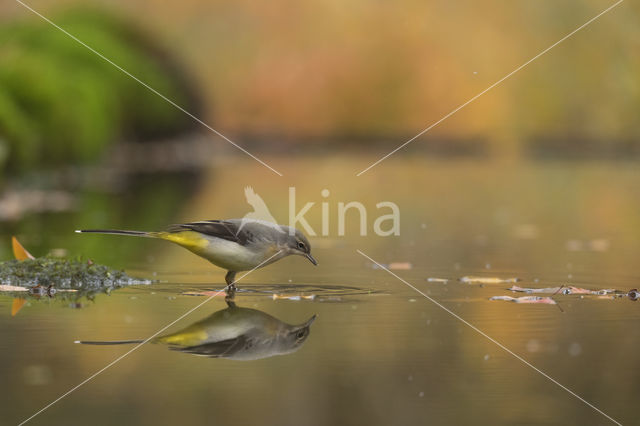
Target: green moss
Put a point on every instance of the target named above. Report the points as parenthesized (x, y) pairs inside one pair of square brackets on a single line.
[(86, 277)]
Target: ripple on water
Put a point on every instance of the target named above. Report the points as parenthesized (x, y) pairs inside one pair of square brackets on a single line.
[(316, 292)]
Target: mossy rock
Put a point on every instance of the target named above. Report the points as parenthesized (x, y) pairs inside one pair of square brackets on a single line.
[(70, 277)]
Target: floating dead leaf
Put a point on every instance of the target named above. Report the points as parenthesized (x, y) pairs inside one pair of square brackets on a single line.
[(16, 305), (487, 280), (207, 293), (398, 266), (293, 297), (526, 299), (563, 290), (19, 252), (438, 280), (534, 290)]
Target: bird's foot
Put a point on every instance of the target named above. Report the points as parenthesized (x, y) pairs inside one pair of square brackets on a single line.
[(230, 290), (230, 294)]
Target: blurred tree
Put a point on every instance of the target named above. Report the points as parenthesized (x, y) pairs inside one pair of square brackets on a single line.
[(61, 103)]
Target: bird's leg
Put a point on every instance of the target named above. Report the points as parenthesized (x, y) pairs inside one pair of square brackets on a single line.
[(229, 298), (230, 279), (231, 288)]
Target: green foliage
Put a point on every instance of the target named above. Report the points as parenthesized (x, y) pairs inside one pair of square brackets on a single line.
[(61, 103)]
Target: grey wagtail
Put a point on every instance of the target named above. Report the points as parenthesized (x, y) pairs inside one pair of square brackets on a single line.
[(233, 244), (236, 333)]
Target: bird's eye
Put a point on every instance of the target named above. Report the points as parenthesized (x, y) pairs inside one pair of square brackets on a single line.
[(300, 334), (301, 245)]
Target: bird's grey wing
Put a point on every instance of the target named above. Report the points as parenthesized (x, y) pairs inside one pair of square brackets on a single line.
[(225, 229), (221, 349)]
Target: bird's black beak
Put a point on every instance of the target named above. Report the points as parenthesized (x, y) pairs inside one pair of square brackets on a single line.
[(309, 321), (311, 259), (306, 325)]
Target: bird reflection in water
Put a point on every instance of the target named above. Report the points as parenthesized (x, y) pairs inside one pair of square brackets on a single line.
[(241, 334)]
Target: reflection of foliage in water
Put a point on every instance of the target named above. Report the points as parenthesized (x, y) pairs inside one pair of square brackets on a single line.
[(147, 202), (60, 103)]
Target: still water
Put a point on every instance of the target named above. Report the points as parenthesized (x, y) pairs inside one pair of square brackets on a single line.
[(378, 351)]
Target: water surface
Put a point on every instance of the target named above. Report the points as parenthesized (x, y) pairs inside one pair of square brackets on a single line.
[(378, 352)]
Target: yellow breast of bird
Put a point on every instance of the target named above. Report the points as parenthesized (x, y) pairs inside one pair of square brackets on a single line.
[(188, 337), (223, 253)]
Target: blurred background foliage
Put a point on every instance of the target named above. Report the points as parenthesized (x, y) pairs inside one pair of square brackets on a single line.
[(327, 73), (284, 77), (61, 104)]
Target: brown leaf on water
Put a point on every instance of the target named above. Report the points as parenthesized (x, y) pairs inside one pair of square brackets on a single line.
[(204, 293), (526, 299), (400, 266), (563, 290), (16, 305), (487, 280), (519, 289), (20, 252), (293, 296)]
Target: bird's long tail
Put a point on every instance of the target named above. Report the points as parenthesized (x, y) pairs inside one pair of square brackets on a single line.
[(188, 239), (117, 232), (108, 342)]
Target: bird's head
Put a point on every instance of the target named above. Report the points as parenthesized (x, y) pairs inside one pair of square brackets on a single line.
[(298, 244), (297, 334)]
